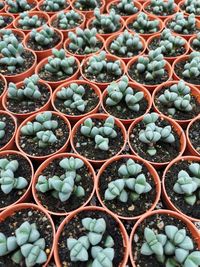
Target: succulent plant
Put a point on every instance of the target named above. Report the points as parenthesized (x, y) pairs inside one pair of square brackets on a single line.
[(160, 7), (106, 23), (28, 22), (187, 185), (86, 4), (152, 133), (126, 7), (44, 36), (191, 6), (2, 22), (118, 91), (68, 20), (192, 67), (16, 6), (126, 45), (143, 24), (177, 97), (2, 129), (7, 34), (196, 42), (8, 181), (53, 5), (182, 24)]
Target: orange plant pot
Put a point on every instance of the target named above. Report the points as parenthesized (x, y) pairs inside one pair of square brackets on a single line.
[(190, 146)]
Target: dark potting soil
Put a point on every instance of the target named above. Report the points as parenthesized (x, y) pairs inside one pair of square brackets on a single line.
[(10, 224), (130, 208), (194, 135), (86, 7), (9, 129), (139, 77), (179, 68), (74, 229), (29, 60), (2, 86), (55, 24), (85, 146), (180, 50), (37, 47), (122, 111), (104, 31), (179, 115), (20, 10), (165, 151), (24, 170), (90, 97), (196, 48), (156, 223), (149, 9), (30, 146), (43, 7), (27, 105), (120, 12), (81, 51), (74, 202), (130, 26), (116, 53), (196, 30), (7, 21), (177, 199)]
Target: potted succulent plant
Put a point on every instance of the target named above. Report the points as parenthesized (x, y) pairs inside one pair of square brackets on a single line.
[(91, 236), (3, 88), (43, 135), (183, 25), (63, 183), (27, 236), (83, 43), (194, 42), (181, 186), (187, 68), (172, 46), (106, 24), (58, 68), (27, 97), (190, 6), (76, 99), (156, 138), (42, 41), (52, 7), (125, 45), (177, 100), (98, 137), (8, 32), (126, 101), (149, 70), (15, 7), (67, 21), (128, 186), (6, 21), (15, 178), (164, 238), (145, 25), (192, 135), (8, 128), (101, 69)]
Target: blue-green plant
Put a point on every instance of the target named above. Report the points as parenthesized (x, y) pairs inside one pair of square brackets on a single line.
[(121, 91), (196, 42), (126, 45), (53, 5), (192, 66), (160, 7), (2, 129), (8, 181), (63, 186), (17, 6), (86, 4), (177, 97), (2, 21), (182, 24), (43, 37), (191, 6), (68, 20), (153, 133), (27, 21), (106, 23), (130, 185), (126, 7), (8, 33)]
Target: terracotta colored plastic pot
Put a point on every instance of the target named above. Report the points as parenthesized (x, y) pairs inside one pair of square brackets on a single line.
[(109, 57), (27, 193), (150, 87), (72, 118), (194, 92), (33, 2), (175, 126), (106, 35), (23, 206), (42, 158), (45, 164), (190, 43), (97, 209), (55, 84), (146, 36), (147, 3), (165, 196), (191, 227), (52, 13), (138, 87), (10, 25), (169, 59), (41, 54), (88, 13), (21, 76), (65, 32), (190, 146), (186, 36), (151, 170), (100, 116), (11, 143), (175, 76), (115, 2), (2, 78), (114, 37), (23, 116), (40, 14), (180, 5)]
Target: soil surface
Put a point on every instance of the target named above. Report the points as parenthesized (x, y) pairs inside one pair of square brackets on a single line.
[(179, 68), (196, 48), (9, 129), (194, 135)]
